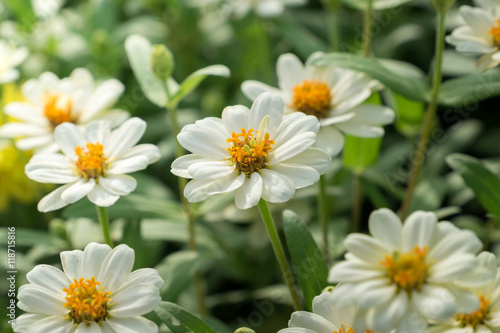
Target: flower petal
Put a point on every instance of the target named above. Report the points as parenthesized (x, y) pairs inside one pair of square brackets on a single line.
[(435, 303), (314, 158), (330, 140), (300, 175), (132, 325), (366, 248), (118, 184), (102, 97), (101, 197), (249, 194), (41, 300), (143, 275), (311, 321), (267, 104), (418, 230), (125, 137), (69, 137), (53, 201), (294, 124), (385, 317), (116, 267), (451, 268), (50, 278), (52, 324), (235, 118), (25, 321), (180, 165), (72, 264), (135, 300), (292, 147), (458, 242), (361, 130), (200, 139), (78, 190), (93, 258), (386, 226), (91, 327), (252, 89), (146, 149), (128, 165), (290, 71), (276, 187), (210, 169), (97, 131)]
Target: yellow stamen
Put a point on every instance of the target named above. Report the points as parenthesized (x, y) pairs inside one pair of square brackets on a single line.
[(247, 153), (408, 270), (476, 317), (58, 109), (91, 162), (86, 301), (313, 98)]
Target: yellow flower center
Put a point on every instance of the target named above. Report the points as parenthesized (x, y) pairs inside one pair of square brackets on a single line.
[(91, 162), (86, 301), (477, 317), (344, 329), (495, 32), (313, 98), (58, 109), (408, 270), (248, 153)]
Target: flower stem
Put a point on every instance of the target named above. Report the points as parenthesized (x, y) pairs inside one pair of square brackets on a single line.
[(280, 253), (332, 9), (357, 196), (102, 215), (367, 29), (429, 116), (324, 215)]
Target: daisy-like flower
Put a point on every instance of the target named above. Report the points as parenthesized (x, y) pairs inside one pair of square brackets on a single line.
[(51, 101), (258, 153), (484, 319), (93, 164), (96, 292), (402, 275), (480, 34), (333, 95), (10, 57)]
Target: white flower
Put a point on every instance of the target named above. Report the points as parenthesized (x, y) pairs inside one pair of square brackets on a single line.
[(263, 8), (10, 57), (97, 292), (94, 163), (257, 153), (333, 95), (402, 274), (486, 318), (52, 101), (480, 34)]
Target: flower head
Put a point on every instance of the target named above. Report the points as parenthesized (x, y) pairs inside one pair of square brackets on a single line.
[(10, 57), (402, 275), (93, 163), (480, 34), (96, 292), (258, 153), (333, 95), (52, 101)]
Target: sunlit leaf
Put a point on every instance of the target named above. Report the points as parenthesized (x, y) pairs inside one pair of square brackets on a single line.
[(360, 153), (470, 89), (178, 319)]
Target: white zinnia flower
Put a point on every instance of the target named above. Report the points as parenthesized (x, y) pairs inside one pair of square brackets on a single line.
[(480, 34), (97, 292), (484, 319), (402, 274), (333, 95), (10, 57), (52, 101), (258, 153), (94, 163)]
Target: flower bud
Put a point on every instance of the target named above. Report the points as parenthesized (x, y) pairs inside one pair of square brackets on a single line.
[(162, 61), (244, 330)]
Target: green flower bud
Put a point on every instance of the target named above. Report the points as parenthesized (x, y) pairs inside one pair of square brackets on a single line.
[(162, 61), (328, 289), (442, 6), (244, 330)]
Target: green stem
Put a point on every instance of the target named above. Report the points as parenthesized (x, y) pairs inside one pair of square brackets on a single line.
[(357, 196), (429, 116), (332, 9), (280, 253), (367, 29), (102, 214), (324, 215)]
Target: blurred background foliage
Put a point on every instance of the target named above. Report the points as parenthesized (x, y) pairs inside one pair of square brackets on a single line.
[(242, 280)]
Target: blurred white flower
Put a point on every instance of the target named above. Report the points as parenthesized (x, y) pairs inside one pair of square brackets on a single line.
[(97, 292), (94, 163), (480, 34), (258, 153), (403, 275), (333, 95), (263, 8), (46, 8), (51, 101), (10, 57)]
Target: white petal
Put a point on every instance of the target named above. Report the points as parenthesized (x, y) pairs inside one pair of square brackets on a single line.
[(418, 230), (336, 119), (26, 112), (146, 149), (235, 118), (366, 248), (136, 300), (353, 271), (199, 139), (144, 275), (52, 324), (210, 169), (370, 114), (436, 303), (125, 137), (132, 325), (276, 187), (477, 19), (467, 301), (311, 321), (128, 165), (52, 201), (38, 143), (458, 242), (180, 165), (72, 264), (69, 137), (452, 268), (313, 157), (24, 321), (360, 130), (97, 131), (300, 175), (252, 89), (413, 322), (116, 267), (103, 97), (17, 129), (386, 226), (373, 293), (249, 194), (298, 125), (93, 258), (385, 317), (78, 190), (49, 277), (52, 176), (41, 300), (267, 104), (91, 327), (290, 71), (325, 306), (292, 147), (226, 184), (118, 184), (330, 140), (486, 62), (101, 197)]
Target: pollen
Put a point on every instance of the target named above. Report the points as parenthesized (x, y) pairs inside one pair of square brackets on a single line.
[(86, 301), (408, 271), (495, 32), (248, 153), (58, 109), (91, 162), (477, 317), (313, 98)]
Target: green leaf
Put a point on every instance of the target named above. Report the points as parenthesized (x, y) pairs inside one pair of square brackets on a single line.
[(32, 237), (481, 180), (410, 115), (302, 40), (130, 206), (360, 153), (407, 83), (377, 4), (308, 263), (178, 319), (23, 10), (470, 89), (192, 81), (139, 54)]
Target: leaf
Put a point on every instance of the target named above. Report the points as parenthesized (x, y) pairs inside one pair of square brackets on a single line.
[(481, 180), (178, 319), (193, 80), (360, 153), (410, 115), (308, 263), (32, 237), (139, 54), (377, 4), (410, 86), (302, 40), (470, 89)]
